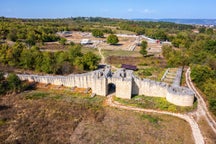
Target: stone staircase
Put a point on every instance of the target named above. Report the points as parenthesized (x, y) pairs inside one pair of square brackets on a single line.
[(172, 76)]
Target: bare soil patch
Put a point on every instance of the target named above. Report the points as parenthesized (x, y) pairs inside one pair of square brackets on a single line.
[(207, 132)]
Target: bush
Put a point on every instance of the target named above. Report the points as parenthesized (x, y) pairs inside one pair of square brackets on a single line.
[(62, 41), (112, 39), (97, 33), (14, 83)]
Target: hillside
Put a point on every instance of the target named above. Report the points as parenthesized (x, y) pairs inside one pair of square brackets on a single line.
[(43, 116), (183, 21)]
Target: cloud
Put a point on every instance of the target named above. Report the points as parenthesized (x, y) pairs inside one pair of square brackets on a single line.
[(142, 11), (130, 10), (147, 11)]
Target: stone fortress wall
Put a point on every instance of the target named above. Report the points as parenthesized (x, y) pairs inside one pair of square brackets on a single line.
[(126, 85)]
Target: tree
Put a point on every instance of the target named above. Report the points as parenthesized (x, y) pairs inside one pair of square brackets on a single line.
[(3, 53), (12, 35), (97, 33), (14, 83), (13, 54), (112, 39), (89, 61), (143, 50), (202, 30), (62, 41), (201, 73), (3, 87), (26, 59), (48, 62), (74, 51), (31, 38)]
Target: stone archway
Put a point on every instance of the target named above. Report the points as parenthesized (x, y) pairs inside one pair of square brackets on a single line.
[(111, 88)]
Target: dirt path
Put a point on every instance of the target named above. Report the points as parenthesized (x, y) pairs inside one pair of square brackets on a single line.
[(194, 126), (103, 59), (102, 56), (202, 109)]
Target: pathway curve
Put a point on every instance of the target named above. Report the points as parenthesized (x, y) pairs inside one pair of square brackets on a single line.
[(194, 126), (202, 109)]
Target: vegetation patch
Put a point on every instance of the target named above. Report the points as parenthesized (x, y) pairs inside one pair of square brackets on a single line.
[(156, 103), (151, 72), (38, 95), (2, 122), (151, 119)]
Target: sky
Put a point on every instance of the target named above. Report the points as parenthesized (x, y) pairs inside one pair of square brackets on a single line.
[(126, 9)]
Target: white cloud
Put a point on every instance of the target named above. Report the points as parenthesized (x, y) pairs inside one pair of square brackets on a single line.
[(142, 11), (130, 10), (147, 11)]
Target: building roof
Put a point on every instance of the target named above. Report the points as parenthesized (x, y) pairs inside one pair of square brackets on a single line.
[(130, 67), (85, 41)]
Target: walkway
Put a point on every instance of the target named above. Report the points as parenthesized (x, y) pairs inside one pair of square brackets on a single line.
[(101, 55), (103, 59), (202, 109), (194, 126)]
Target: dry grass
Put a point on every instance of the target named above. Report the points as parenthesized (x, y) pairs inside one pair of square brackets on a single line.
[(208, 134), (60, 116)]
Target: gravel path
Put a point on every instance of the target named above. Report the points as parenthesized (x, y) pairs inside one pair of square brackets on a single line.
[(202, 109), (194, 126)]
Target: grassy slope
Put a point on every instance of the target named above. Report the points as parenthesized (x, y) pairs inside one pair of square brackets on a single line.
[(58, 116)]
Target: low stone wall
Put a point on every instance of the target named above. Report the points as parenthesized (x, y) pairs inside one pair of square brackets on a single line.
[(126, 85), (177, 79), (149, 87), (177, 95), (83, 81), (180, 96)]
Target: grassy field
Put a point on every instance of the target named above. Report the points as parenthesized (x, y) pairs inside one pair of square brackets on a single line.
[(151, 72), (108, 53), (60, 116), (87, 49), (156, 103)]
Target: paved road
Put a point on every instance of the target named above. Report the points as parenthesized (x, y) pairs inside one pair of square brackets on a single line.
[(202, 109)]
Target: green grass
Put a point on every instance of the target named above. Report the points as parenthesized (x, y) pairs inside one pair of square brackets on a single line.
[(2, 122), (87, 49), (156, 103), (151, 72), (38, 95), (151, 119), (124, 32), (64, 95), (108, 53), (161, 73)]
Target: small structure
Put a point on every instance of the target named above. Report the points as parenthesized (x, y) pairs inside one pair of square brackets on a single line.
[(65, 33), (129, 67), (85, 42)]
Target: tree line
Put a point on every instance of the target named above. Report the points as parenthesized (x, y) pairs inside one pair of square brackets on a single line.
[(62, 62), (197, 50)]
